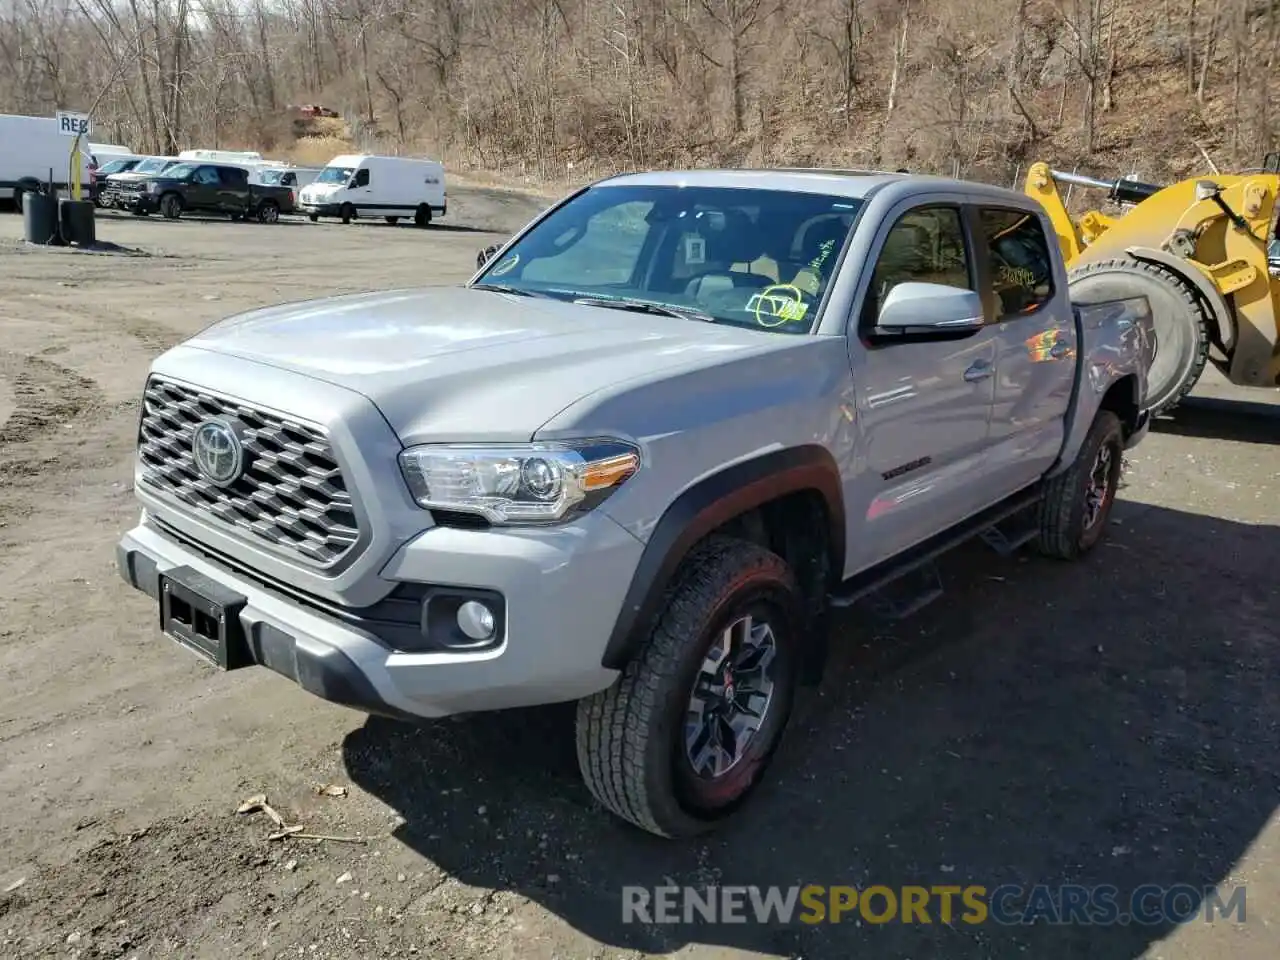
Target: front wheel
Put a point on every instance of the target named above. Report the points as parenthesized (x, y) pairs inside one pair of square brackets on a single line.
[(171, 206), (348, 213), (1077, 503), (683, 737), (392, 220)]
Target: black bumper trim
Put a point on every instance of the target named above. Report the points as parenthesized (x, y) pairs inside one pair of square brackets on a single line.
[(321, 670)]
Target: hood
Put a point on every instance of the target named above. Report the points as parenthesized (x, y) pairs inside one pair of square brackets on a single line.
[(451, 363), (320, 189)]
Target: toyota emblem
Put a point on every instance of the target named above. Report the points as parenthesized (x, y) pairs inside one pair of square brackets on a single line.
[(217, 451)]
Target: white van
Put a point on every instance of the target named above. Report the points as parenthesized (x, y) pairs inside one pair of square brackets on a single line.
[(358, 185), (273, 175), (222, 156), (31, 151)]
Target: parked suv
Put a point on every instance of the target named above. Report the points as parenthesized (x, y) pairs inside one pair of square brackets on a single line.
[(635, 460)]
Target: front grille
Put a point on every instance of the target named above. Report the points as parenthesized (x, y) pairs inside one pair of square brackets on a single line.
[(291, 497)]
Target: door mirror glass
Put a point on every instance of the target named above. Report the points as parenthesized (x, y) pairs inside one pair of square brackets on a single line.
[(923, 308), (485, 255)]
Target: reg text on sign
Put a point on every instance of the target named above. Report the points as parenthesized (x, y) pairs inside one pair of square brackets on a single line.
[(72, 124)]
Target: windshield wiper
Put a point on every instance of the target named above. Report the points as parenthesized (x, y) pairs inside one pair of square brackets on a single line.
[(514, 291), (644, 306)]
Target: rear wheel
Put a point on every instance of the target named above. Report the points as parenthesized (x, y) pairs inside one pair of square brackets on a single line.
[(683, 737), (422, 217), (313, 217), (1181, 321), (392, 220), (1077, 503), (269, 212)]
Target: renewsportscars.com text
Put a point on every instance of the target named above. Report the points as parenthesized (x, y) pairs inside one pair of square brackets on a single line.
[(1009, 904)]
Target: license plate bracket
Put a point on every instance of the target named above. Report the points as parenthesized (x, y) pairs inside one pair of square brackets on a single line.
[(204, 616)]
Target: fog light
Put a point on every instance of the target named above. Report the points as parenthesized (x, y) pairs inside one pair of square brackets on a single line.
[(475, 620)]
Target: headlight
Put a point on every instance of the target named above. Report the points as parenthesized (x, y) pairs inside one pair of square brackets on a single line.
[(153, 187), (518, 483)]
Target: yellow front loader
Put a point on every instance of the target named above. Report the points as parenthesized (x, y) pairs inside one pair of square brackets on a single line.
[(1198, 250)]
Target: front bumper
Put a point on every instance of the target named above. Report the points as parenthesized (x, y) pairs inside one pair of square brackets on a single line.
[(318, 209), (561, 593), (139, 202)]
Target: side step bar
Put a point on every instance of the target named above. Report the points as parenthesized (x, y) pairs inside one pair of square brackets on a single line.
[(923, 554)]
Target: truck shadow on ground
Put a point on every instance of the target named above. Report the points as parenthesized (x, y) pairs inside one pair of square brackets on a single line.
[(1217, 418), (1106, 722)]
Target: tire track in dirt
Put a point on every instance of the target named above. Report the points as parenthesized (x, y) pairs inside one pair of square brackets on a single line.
[(45, 396)]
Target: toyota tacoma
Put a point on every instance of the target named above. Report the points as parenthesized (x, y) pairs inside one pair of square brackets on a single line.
[(635, 460)]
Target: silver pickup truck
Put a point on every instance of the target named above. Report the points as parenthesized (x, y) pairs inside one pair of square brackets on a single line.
[(636, 460)]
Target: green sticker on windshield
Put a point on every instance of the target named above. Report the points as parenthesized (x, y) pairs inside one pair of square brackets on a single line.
[(506, 266), (778, 304)]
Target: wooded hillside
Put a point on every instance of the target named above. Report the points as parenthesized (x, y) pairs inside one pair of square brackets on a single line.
[(561, 89)]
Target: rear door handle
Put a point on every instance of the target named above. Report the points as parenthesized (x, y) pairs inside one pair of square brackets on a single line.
[(979, 370), (1059, 349)]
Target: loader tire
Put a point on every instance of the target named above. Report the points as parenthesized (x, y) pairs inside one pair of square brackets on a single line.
[(1181, 321)]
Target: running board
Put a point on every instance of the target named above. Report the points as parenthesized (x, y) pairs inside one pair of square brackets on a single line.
[(1005, 545), (878, 577)]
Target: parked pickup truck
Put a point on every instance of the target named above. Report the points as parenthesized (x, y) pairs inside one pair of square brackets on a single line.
[(193, 187), (636, 460)]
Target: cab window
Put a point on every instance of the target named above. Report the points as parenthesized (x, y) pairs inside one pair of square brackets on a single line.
[(206, 176), (926, 245), (1021, 267)]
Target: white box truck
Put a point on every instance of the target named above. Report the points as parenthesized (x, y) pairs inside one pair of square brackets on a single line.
[(360, 185), (31, 151)]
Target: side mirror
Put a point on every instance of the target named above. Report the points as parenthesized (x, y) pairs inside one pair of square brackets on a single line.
[(930, 308), (486, 254)]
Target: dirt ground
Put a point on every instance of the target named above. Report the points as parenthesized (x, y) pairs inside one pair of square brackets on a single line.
[(1111, 722)]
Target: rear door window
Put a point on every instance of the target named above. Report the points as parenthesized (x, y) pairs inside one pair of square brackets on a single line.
[(1018, 253)]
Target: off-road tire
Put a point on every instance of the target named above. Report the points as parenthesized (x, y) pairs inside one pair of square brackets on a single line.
[(630, 738), (347, 212), (1181, 318), (1064, 533), (171, 206)]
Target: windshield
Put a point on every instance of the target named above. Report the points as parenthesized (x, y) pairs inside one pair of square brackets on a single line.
[(749, 257), (335, 174), (152, 165), (114, 166), (180, 171)]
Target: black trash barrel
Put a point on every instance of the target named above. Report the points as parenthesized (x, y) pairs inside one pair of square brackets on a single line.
[(77, 222), (40, 219)]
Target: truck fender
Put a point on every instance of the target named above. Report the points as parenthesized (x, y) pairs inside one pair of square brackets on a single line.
[(708, 505), (1121, 397), (1218, 307)]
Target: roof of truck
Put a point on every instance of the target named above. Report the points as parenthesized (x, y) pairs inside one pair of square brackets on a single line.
[(855, 184)]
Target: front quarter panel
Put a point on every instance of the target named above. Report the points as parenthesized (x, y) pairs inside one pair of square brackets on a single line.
[(696, 423)]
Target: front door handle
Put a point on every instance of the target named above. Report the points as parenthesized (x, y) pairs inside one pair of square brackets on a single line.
[(1059, 349), (979, 370)]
